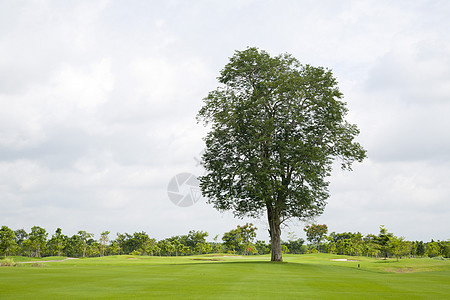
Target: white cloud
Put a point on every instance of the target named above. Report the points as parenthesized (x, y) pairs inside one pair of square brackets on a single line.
[(98, 102), (21, 175), (415, 68), (73, 87), (20, 124)]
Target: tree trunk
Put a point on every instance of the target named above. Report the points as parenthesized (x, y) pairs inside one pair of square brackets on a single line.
[(275, 234)]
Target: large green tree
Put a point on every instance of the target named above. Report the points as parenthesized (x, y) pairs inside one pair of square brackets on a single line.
[(276, 126)]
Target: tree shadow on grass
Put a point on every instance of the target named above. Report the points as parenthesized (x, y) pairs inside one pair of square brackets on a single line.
[(225, 262)]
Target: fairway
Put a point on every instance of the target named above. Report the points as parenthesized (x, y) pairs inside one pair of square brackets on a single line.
[(227, 277)]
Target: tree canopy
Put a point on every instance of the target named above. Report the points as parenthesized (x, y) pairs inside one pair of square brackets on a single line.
[(276, 128), (315, 233), (240, 240)]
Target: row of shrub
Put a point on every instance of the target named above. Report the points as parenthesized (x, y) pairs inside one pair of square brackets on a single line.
[(240, 240)]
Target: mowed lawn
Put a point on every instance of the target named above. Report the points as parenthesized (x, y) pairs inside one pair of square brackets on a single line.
[(312, 276)]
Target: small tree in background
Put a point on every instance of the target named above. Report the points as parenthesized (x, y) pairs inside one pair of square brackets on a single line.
[(398, 246), (193, 238), (104, 239), (232, 240), (7, 240), (58, 242), (114, 248), (370, 245), (432, 249), (262, 247), (315, 233), (420, 248), (240, 239), (21, 237), (38, 239), (248, 234), (84, 237), (382, 240), (295, 244)]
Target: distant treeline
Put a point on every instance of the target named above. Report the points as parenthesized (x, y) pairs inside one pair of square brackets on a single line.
[(240, 240)]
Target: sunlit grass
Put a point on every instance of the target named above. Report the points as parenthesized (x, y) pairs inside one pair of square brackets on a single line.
[(228, 277)]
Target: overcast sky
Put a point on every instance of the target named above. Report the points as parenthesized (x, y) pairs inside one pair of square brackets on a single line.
[(98, 102)]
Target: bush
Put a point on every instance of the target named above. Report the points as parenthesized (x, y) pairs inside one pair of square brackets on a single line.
[(135, 252), (438, 257), (7, 262)]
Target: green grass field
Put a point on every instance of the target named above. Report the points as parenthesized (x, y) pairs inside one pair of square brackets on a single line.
[(312, 276)]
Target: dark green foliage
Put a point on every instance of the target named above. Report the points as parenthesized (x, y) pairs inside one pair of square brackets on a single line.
[(262, 247), (38, 240), (57, 243), (140, 243), (240, 239), (21, 235), (195, 237), (315, 233), (74, 247), (343, 236), (85, 238), (383, 239), (7, 240), (232, 240), (295, 246)]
